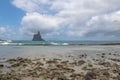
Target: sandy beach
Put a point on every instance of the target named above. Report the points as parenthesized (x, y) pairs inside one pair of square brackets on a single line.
[(74, 63)]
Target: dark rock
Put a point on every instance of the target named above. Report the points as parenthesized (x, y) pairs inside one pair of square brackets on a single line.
[(11, 61), (103, 53), (106, 74), (90, 76), (62, 77), (1, 65), (105, 64), (119, 73), (110, 53), (75, 75), (51, 62), (59, 66), (81, 62), (116, 60), (37, 37), (68, 69), (15, 65)]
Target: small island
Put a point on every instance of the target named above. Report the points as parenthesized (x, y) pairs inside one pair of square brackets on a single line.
[(37, 37)]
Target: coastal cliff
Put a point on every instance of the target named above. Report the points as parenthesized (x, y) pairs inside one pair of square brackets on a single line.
[(37, 37)]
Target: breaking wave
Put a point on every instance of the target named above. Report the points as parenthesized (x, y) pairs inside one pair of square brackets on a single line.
[(8, 42), (54, 43)]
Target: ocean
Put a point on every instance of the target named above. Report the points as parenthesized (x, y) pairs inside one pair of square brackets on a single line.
[(57, 43)]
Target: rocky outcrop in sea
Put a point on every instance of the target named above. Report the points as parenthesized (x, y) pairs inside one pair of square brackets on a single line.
[(37, 37)]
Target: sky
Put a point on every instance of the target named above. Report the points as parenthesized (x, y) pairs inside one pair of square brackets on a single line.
[(60, 19)]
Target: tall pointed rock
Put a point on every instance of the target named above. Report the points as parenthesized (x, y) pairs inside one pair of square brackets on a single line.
[(37, 37)]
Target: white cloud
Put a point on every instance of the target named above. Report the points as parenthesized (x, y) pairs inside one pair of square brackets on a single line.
[(34, 22), (106, 25), (6, 32), (32, 5), (103, 25), (2, 30), (81, 17)]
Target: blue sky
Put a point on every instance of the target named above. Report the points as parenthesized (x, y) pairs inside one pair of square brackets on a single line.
[(9, 14), (60, 19)]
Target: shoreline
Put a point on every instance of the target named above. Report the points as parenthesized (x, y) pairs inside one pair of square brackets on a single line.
[(19, 44)]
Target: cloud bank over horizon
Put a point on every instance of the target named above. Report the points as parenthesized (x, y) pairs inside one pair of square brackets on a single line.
[(72, 18)]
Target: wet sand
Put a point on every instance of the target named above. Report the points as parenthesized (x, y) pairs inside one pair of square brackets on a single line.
[(100, 63)]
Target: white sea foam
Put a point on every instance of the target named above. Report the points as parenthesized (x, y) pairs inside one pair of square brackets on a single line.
[(65, 44), (5, 43), (53, 43), (8, 42)]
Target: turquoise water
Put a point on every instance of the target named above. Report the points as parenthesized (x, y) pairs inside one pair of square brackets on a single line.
[(59, 42), (66, 42)]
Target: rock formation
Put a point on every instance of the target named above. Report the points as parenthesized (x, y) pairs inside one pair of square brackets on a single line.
[(37, 37)]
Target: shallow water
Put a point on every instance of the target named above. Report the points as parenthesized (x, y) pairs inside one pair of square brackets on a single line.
[(53, 51)]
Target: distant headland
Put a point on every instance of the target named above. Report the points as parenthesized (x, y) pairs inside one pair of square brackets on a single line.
[(37, 37)]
